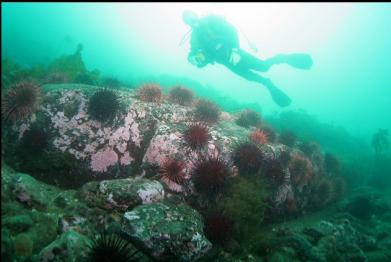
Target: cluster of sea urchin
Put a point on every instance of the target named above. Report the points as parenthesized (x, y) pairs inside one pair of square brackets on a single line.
[(300, 169), (207, 111), (21, 100), (103, 105), (181, 95), (150, 93), (196, 136)]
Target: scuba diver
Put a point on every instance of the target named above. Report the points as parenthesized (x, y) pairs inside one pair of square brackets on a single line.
[(213, 39)]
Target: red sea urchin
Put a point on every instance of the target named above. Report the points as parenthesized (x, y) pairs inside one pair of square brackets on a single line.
[(21, 100), (209, 175), (247, 157), (172, 171), (300, 169), (259, 137), (196, 136), (150, 93)]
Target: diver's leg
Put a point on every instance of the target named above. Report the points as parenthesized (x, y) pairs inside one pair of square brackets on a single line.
[(298, 60), (278, 95), (251, 62)]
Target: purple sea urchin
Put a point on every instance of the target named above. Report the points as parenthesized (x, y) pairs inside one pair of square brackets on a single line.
[(181, 95), (209, 175), (103, 105), (196, 136), (207, 111), (173, 171), (21, 100), (150, 93)]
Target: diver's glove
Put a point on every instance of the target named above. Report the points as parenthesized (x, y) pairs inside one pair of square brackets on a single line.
[(198, 59), (235, 57)]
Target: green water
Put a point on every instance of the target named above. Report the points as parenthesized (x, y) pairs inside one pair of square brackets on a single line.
[(349, 84)]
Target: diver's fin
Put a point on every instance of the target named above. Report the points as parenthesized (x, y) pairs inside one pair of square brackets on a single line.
[(279, 97), (300, 61)]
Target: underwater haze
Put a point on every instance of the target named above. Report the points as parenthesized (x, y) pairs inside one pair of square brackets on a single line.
[(196, 132), (349, 84)]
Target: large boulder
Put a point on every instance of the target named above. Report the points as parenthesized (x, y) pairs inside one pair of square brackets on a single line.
[(167, 231), (74, 147)]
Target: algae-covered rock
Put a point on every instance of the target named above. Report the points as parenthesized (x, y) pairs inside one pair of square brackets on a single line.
[(167, 231), (7, 246), (44, 230), (70, 246), (122, 194), (19, 223), (31, 192), (23, 245)]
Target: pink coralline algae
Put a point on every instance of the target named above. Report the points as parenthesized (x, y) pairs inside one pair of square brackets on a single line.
[(126, 159), (71, 130), (100, 161)]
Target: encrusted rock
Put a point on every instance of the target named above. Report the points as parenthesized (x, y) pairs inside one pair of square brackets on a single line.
[(122, 194), (167, 231), (31, 192)]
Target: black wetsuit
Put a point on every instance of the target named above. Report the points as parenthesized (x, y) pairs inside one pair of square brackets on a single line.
[(217, 41)]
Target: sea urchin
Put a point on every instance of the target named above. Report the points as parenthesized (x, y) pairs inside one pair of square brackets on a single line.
[(172, 171), (247, 157), (103, 105), (150, 93), (207, 111), (111, 247), (196, 136), (181, 95), (209, 175), (259, 137)]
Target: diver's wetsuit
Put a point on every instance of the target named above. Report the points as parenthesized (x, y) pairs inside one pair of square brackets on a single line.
[(215, 40)]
